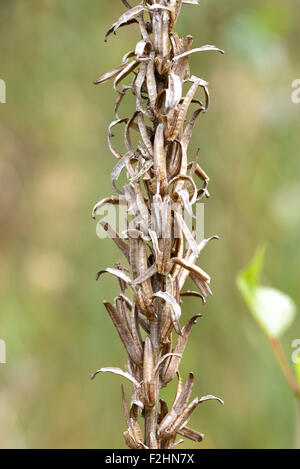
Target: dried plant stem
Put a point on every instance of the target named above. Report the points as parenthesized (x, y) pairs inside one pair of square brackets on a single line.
[(160, 248)]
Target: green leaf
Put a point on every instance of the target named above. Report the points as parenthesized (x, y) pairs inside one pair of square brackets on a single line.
[(248, 278), (273, 310)]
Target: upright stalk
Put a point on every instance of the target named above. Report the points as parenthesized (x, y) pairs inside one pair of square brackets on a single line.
[(159, 247)]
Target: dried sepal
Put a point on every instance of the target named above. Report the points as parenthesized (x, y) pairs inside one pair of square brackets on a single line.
[(133, 435), (171, 422), (151, 81), (125, 72), (126, 4), (139, 265), (147, 274), (116, 272), (180, 412), (115, 174), (109, 75), (162, 359), (122, 245), (113, 200), (124, 19), (207, 47), (117, 371), (175, 309), (128, 334), (172, 365), (191, 434), (114, 151)]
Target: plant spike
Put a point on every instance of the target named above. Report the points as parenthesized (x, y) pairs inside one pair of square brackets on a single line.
[(160, 248)]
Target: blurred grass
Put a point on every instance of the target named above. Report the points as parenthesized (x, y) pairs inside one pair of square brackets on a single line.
[(55, 165)]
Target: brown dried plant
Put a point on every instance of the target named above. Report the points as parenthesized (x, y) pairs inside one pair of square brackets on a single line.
[(158, 245)]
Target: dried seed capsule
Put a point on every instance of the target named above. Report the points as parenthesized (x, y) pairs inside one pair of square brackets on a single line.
[(151, 82), (160, 159), (149, 385)]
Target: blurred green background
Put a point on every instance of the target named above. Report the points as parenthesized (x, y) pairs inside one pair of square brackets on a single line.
[(55, 165)]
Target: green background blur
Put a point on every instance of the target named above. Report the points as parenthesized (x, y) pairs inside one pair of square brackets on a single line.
[(55, 165)]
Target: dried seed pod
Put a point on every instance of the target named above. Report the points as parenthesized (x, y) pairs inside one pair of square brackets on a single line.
[(108, 75), (149, 381), (177, 127), (122, 245), (145, 135), (190, 434), (151, 81), (124, 19), (172, 365), (128, 337), (139, 265), (169, 426), (160, 159)]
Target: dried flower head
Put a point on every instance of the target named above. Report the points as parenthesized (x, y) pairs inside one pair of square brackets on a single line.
[(158, 245)]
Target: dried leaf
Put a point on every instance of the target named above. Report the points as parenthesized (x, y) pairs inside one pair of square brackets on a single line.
[(120, 96), (162, 359), (193, 293), (151, 82), (203, 85), (145, 275), (116, 153), (210, 398), (175, 308), (125, 72), (173, 92), (160, 157), (116, 238), (114, 176), (187, 233), (202, 285), (116, 272), (172, 421), (179, 442), (175, 130), (190, 434), (172, 365), (126, 4), (141, 46), (124, 19), (181, 67), (144, 134), (131, 343), (147, 166), (149, 382), (192, 268), (111, 74), (207, 47), (117, 371)]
